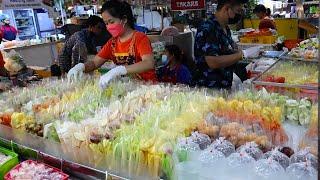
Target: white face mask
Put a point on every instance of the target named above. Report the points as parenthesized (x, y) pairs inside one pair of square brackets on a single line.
[(164, 59)]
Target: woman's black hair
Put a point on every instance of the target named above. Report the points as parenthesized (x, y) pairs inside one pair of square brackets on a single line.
[(222, 3), (260, 8), (93, 21), (119, 9), (176, 52), (268, 12)]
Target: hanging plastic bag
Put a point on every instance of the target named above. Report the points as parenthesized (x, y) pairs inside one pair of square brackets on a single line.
[(13, 62)]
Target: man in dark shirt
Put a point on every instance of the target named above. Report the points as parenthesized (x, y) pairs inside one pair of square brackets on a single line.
[(216, 54), (81, 44)]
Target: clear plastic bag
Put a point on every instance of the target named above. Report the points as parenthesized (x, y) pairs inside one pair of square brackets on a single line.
[(239, 159), (304, 156), (187, 144), (202, 139), (13, 62), (239, 134), (210, 156), (186, 148), (287, 151), (224, 146), (302, 171), (278, 156), (310, 139), (266, 168), (207, 128), (252, 149)]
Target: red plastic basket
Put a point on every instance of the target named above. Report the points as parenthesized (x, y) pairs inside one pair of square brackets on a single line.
[(292, 43), (310, 93), (17, 167)]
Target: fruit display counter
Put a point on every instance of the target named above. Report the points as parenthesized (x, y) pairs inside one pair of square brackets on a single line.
[(137, 130), (307, 50), (296, 78)]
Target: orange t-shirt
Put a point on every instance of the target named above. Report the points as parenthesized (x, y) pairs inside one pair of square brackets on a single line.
[(1, 61), (129, 52)]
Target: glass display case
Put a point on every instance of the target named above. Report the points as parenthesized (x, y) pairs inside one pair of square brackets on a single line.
[(25, 23), (290, 77)]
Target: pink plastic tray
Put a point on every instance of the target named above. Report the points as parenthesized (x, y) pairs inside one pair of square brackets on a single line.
[(17, 167)]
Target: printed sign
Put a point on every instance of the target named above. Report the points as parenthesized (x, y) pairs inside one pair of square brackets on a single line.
[(24, 4), (177, 5)]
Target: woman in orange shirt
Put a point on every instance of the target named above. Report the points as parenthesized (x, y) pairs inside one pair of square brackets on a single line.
[(130, 50)]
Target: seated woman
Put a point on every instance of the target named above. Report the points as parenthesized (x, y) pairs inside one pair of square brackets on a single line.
[(174, 71)]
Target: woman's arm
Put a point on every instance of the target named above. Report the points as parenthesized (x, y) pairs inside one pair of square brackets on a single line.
[(91, 65), (215, 62), (146, 64)]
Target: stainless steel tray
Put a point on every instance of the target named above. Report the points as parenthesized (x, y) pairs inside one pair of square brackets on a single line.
[(287, 57), (258, 81), (273, 54)]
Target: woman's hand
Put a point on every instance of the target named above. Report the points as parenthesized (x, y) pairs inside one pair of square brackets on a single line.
[(146, 64), (112, 74), (76, 72)]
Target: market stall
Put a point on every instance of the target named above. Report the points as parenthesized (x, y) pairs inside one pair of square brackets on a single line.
[(141, 128), (263, 128)]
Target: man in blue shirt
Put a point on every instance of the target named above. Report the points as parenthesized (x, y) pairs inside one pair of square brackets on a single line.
[(216, 54)]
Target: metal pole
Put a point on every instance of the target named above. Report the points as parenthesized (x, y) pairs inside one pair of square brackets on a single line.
[(161, 17), (61, 10)]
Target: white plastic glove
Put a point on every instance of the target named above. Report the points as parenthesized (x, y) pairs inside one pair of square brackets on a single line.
[(76, 72), (113, 73), (252, 52)]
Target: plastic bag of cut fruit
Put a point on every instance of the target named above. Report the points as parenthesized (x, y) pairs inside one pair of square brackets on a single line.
[(252, 149), (310, 141), (209, 127), (278, 156), (13, 62), (210, 156), (268, 169), (224, 146), (5, 119), (202, 140), (305, 155), (302, 170), (185, 149), (239, 134), (271, 123)]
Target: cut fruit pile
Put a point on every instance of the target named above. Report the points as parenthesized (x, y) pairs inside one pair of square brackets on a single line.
[(307, 49), (292, 73), (141, 124), (33, 170)]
